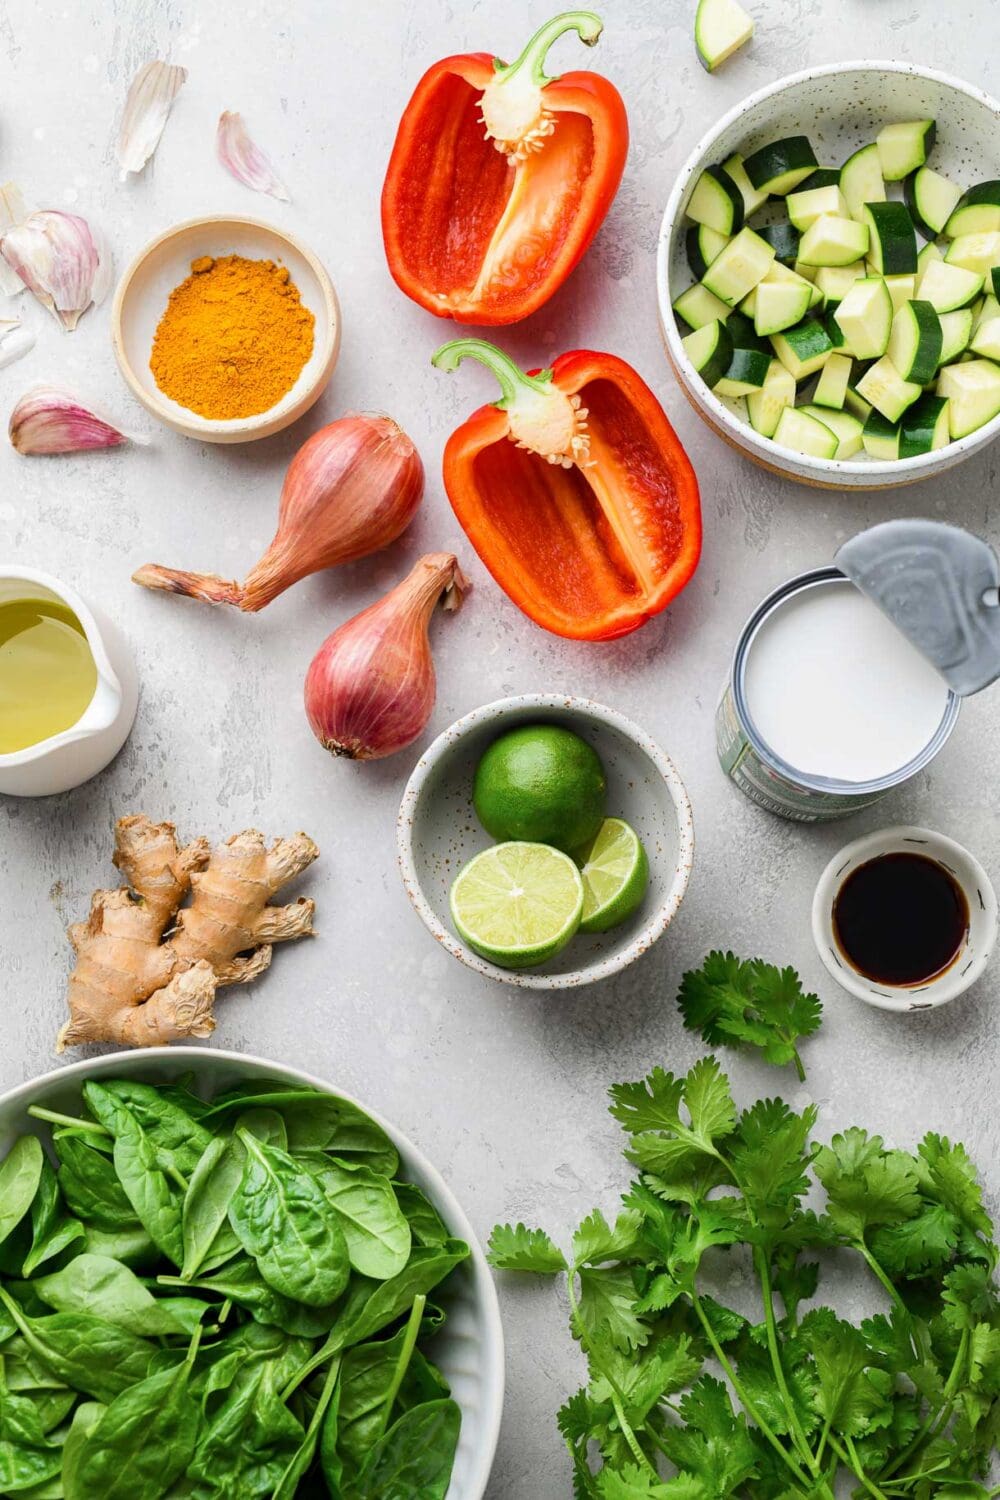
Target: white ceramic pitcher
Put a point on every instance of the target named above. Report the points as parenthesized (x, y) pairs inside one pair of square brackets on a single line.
[(66, 760)]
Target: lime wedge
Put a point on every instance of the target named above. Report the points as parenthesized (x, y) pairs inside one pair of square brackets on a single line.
[(517, 904), (615, 876)]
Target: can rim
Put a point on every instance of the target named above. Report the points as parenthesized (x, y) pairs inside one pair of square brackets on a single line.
[(830, 785)]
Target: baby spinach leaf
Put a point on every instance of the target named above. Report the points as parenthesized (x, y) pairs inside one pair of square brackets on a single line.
[(426, 1224), (300, 1462), (51, 1230), (154, 1197), (377, 1233), (247, 1444), (89, 1183), (316, 1122), (20, 1174), (133, 1247), (85, 1419), (106, 1289), (27, 1457), (87, 1353), (52, 1407), (415, 1457), (207, 1233), (241, 1282), (178, 1138), (366, 1378), (283, 1219), (144, 1441)]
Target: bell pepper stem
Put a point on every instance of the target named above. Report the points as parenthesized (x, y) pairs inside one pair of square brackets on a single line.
[(532, 60), (513, 381)]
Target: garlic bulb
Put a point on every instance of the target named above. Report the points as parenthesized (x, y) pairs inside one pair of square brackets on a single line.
[(49, 420), (61, 259), (154, 89), (245, 160)]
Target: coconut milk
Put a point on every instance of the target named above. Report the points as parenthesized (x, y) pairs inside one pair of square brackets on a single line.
[(829, 705)]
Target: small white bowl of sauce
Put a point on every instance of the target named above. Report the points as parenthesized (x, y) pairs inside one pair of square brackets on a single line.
[(905, 918)]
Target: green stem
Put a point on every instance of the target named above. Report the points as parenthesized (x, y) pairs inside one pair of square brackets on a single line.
[(512, 380), (799, 1069), (851, 1461), (936, 1420), (73, 1121), (822, 1440), (532, 60), (745, 1401), (640, 1456), (798, 1435), (402, 1363)]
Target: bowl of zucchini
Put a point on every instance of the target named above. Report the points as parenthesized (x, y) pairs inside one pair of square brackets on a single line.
[(829, 275)]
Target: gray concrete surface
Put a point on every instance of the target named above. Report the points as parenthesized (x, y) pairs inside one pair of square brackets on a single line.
[(504, 1091)]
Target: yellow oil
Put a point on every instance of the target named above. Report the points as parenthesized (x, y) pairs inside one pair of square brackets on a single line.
[(47, 672)]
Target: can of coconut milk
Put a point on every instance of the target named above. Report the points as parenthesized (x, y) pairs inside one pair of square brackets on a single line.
[(829, 705)]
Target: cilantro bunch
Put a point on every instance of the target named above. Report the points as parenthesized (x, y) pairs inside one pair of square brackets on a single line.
[(687, 1399)]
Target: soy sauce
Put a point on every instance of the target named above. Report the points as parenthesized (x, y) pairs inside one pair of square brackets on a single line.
[(900, 919)]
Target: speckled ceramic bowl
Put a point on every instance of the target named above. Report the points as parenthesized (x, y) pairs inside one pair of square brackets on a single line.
[(469, 1348), (840, 107), (972, 957), (437, 831)]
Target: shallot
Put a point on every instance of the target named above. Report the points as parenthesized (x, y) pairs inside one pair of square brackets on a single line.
[(370, 687), (351, 489)]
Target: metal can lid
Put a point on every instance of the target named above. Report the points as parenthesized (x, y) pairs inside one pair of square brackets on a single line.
[(939, 586)]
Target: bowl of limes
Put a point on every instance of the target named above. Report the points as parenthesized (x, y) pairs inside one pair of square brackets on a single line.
[(545, 841)]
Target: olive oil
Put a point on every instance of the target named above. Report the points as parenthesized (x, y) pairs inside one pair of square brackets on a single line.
[(47, 672)]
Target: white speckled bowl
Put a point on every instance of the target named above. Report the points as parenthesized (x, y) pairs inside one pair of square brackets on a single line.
[(437, 831), (975, 953), (840, 107), (469, 1348)]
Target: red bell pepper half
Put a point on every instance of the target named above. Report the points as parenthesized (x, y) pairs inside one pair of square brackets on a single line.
[(499, 179), (575, 492)]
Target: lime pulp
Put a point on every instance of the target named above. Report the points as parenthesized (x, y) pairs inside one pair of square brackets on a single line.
[(518, 904)]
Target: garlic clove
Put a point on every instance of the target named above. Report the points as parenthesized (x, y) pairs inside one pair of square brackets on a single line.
[(50, 420), (154, 89), (12, 211), (62, 260), (15, 341), (245, 160)]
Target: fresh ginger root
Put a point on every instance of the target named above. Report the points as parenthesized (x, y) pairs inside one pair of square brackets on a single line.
[(133, 987)]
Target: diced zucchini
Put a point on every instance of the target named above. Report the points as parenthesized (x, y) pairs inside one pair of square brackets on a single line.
[(915, 342), (746, 372), (985, 311), (986, 340), (764, 407), (803, 350), (821, 178), (995, 278), (956, 331), (904, 147), (788, 277), (973, 391), (924, 427), (716, 202), (809, 273), (833, 329), (796, 429), (881, 437), (887, 390), (745, 261), (931, 199), (856, 404), (808, 204), (978, 211), (697, 307), (752, 198), (947, 287), (975, 252), (720, 28), (710, 350), (845, 428), (783, 238), (865, 317), (780, 305), (926, 254), (735, 404), (780, 166), (744, 336), (861, 180), (901, 289), (833, 241), (702, 246), (893, 247), (831, 389), (836, 281)]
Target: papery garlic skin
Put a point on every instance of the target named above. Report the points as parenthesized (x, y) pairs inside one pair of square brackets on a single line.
[(154, 89), (62, 260), (13, 210), (245, 160), (48, 420), (15, 341)]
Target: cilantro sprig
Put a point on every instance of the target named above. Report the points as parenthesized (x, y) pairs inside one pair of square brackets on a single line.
[(687, 1399), (749, 1003)]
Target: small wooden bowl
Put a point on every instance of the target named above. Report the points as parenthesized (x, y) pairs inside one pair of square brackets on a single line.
[(164, 263)]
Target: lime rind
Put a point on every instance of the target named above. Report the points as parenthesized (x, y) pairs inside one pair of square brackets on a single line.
[(518, 904), (615, 872)]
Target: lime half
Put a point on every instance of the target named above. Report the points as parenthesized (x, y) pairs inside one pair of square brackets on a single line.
[(615, 876), (518, 904)]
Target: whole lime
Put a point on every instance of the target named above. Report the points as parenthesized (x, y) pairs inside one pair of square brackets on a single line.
[(542, 784)]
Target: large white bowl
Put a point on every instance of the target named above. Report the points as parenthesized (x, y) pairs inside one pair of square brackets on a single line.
[(437, 831), (469, 1349), (840, 107)]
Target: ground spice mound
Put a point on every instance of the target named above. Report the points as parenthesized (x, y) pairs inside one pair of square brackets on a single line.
[(234, 338)]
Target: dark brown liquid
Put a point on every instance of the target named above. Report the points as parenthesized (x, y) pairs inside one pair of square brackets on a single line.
[(900, 919)]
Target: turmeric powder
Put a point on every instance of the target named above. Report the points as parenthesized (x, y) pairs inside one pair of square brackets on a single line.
[(234, 338)]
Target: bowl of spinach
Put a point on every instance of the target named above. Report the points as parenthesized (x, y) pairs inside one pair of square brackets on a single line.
[(220, 1278)]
